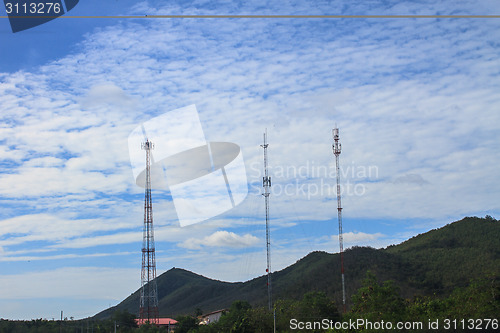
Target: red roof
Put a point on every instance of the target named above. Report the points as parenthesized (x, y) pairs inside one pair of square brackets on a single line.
[(161, 321)]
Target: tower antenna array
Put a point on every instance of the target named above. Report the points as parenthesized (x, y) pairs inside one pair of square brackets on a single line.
[(148, 310), (336, 151), (266, 183)]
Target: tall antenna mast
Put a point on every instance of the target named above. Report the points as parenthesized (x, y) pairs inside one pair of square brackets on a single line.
[(148, 310), (266, 183), (336, 151)]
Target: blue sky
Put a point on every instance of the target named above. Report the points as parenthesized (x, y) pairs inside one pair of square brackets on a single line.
[(416, 101)]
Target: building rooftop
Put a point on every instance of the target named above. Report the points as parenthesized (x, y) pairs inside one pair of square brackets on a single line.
[(161, 321)]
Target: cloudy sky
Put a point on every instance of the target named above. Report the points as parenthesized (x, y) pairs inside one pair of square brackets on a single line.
[(416, 100)]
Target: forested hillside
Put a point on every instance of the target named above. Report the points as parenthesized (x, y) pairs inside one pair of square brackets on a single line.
[(451, 273), (449, 257), (435, 262)]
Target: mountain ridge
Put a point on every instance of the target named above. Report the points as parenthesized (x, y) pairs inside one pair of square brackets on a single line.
[(434, 262)]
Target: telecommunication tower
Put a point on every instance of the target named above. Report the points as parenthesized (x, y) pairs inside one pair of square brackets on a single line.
[(266, 183), (148, 310), (336, 151)]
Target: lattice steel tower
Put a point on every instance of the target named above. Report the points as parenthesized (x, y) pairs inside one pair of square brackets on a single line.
[(336, 151), (266, 183), (148, 310)]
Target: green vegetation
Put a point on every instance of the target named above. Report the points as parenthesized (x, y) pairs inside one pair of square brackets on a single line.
[(451, 273), (122, 320), (374, 302), (472, 245), (241, 317), (436, 262)]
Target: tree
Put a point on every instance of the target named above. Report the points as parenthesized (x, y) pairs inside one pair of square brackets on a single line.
[(481, 299), (377, 302), (148, 328), (236, 320), (285, 310), (124, 320), (261, 319), (314, 306), (185, 324)]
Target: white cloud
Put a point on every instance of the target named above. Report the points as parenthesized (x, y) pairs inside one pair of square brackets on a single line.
[(7, 257), (10, 154), (361, 237), (417, 99), (221, 239), (396, 106), (114, 239), (52, 228)]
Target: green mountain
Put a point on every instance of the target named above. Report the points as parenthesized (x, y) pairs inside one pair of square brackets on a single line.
[(449, 257), (435, 262)]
